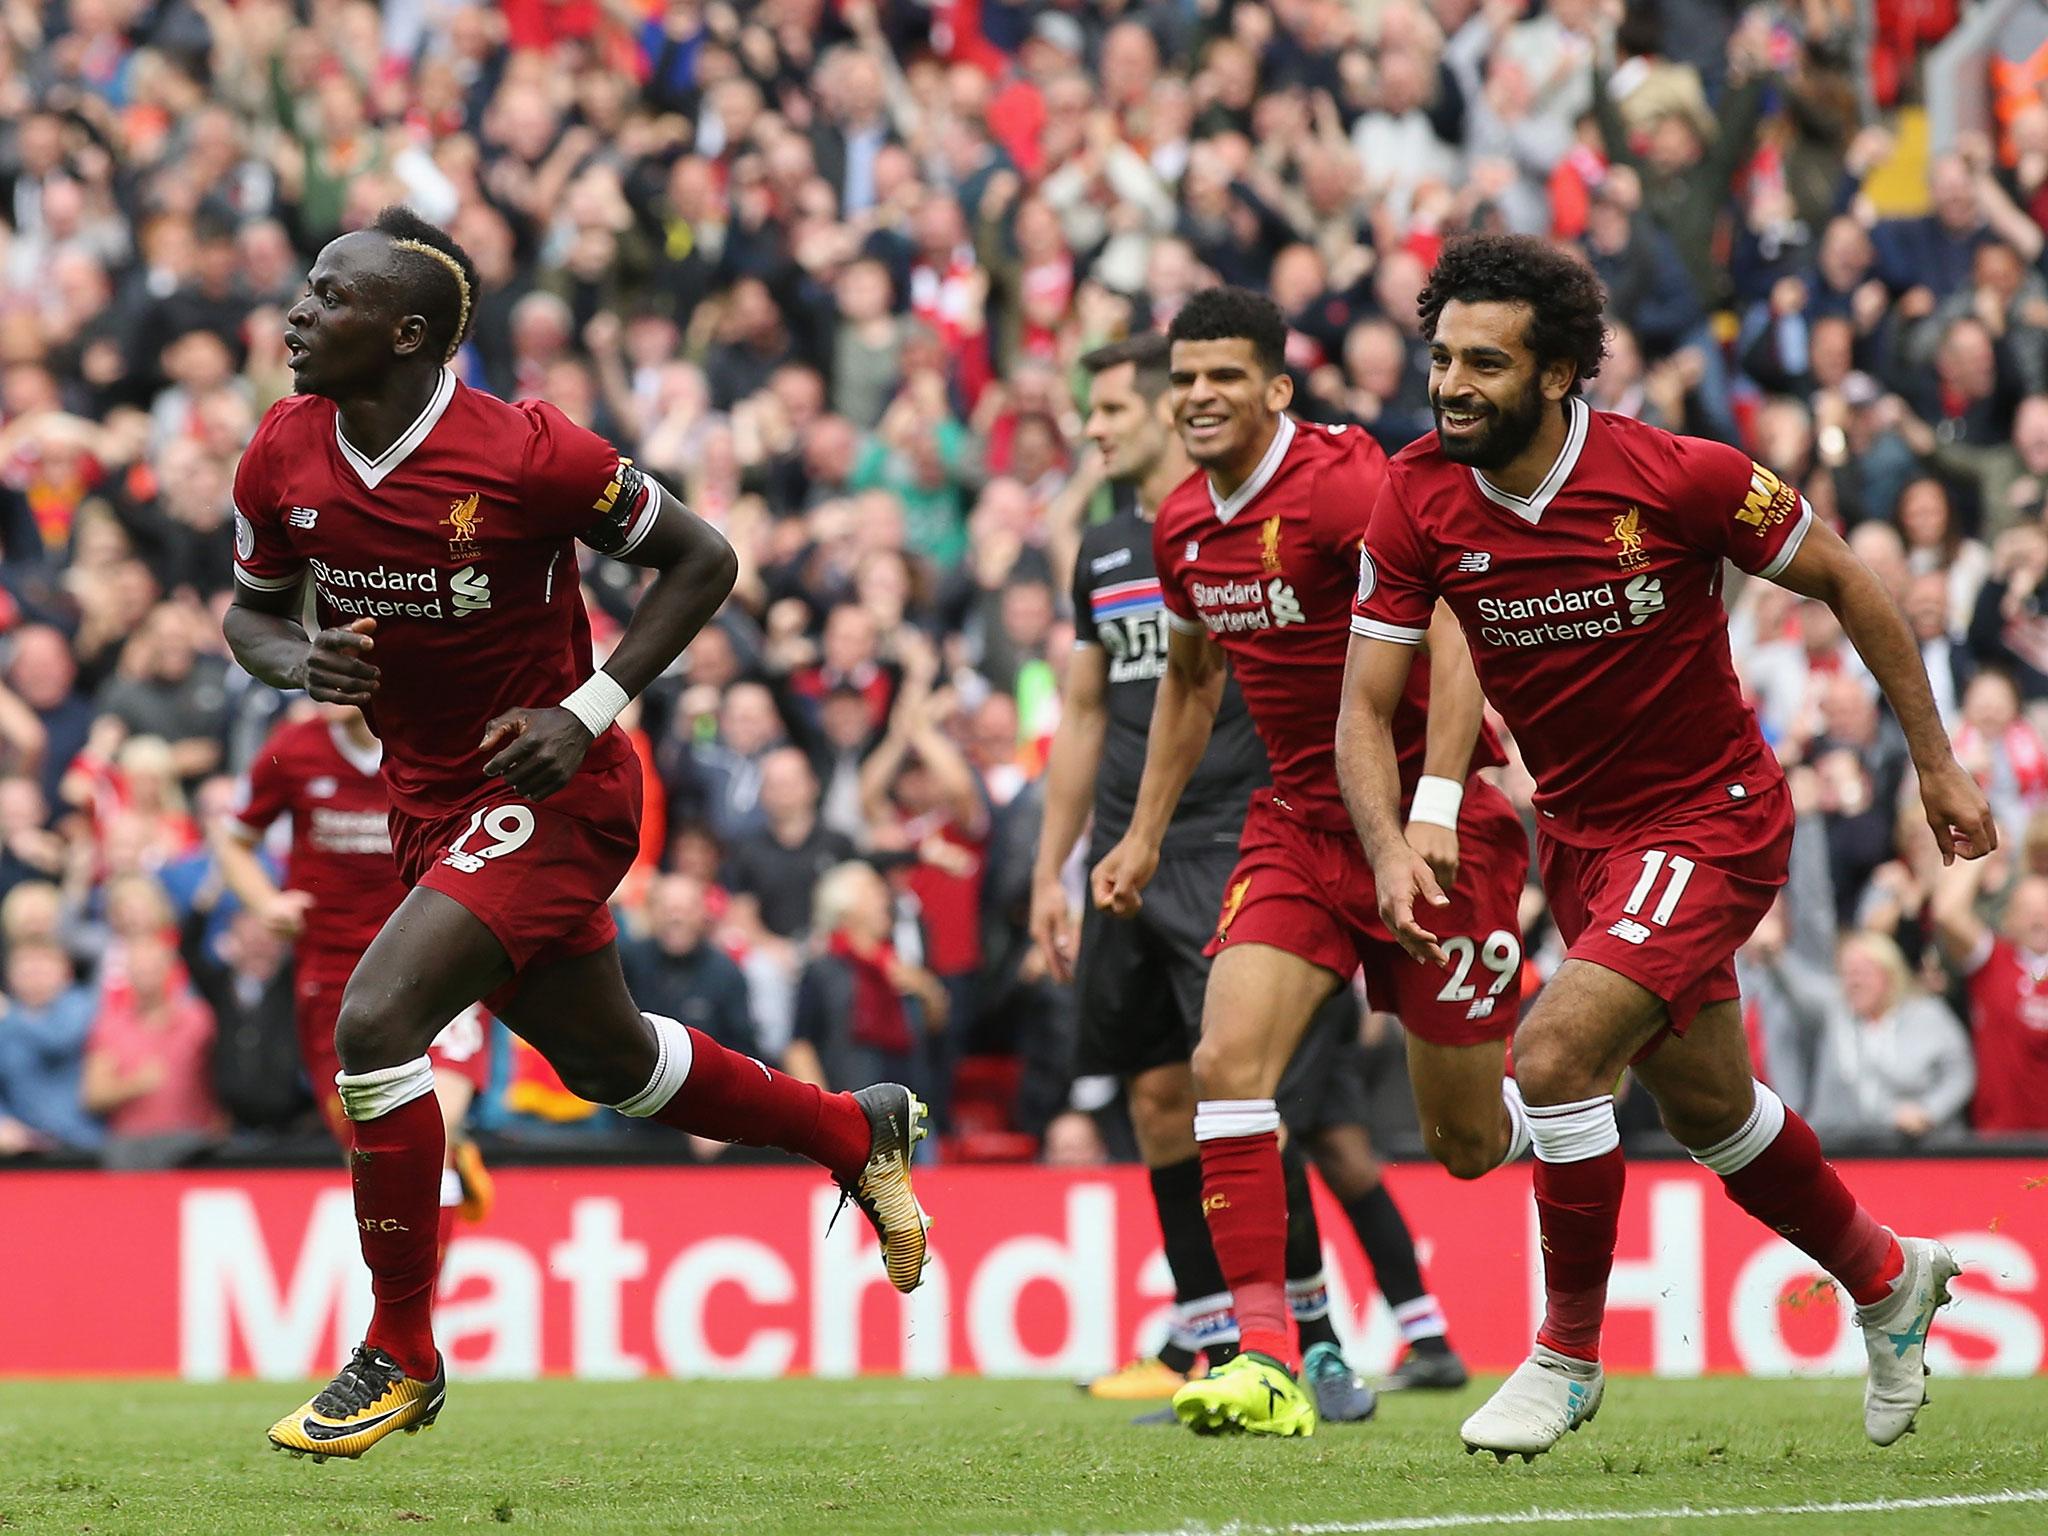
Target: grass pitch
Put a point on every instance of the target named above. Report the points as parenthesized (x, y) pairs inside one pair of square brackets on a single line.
[(995, 1458)]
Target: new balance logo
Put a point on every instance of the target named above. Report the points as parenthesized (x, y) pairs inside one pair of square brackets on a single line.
[(1476, 560), (1192, 552), (1630, 931), (303, 517), (1483, 1009)]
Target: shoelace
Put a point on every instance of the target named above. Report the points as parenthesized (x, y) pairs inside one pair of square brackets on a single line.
[(357, 1386), (848, 1195)]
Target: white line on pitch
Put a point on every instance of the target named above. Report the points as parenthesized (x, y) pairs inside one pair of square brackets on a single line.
[(1614, 1516)]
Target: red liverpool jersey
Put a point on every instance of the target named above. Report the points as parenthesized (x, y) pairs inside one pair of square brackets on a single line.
[(1269, 574), (1594, 610), (2009, 1018), (459, 541), (341, 838)]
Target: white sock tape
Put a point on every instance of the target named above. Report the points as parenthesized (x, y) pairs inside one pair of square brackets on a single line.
[(372, 1095), (1518, 1121), (451, 1188), (1766, 1120), (671, 1066), (1436, 801), (1216, 1119), (1574, 1133), (597, 702)]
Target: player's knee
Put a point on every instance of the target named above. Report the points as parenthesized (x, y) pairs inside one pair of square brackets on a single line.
[(1551, 1073), (1226, 1071), (1163, 1119), (365, 1037), (1464, 1153), (1350, 1177)]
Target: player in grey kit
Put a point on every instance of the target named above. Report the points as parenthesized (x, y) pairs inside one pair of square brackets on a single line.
[(1140, 980)]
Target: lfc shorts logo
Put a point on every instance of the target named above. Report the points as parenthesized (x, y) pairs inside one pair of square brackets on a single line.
[(1231, 903)]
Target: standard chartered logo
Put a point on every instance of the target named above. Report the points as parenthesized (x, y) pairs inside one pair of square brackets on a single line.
[(1566, 615)]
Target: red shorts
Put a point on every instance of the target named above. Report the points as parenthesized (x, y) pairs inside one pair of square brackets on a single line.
[(1309, 891), (1669, 906), (538, 874), (463, 1047)]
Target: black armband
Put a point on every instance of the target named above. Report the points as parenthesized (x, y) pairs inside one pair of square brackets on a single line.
[(625, 511)]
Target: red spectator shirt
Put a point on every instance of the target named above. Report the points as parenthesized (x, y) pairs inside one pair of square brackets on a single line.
[(341, 838), (459, 541), (2009, 1020), (1594, 611), (1269, 573)]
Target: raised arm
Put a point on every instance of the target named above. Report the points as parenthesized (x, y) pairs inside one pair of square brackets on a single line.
[(1183, 716), (1369, 773), (1070, 771), (1823, 567), (1962, 935)]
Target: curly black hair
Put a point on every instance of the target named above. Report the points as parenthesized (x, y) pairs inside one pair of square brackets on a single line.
[(1232, 314), (433, 277), (1567, 304)]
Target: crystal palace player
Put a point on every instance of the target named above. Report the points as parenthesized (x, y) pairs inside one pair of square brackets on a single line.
[(1257, 559), (1583, 553), (439, 528), (340, 884)]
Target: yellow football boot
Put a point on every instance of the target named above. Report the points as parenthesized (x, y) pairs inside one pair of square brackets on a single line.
[(896, 1124), (1141, 1381), (370, 1399), (1253, 1393)]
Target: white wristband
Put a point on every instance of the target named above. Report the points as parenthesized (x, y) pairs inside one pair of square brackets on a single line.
[(598, 702), (1437, 801)]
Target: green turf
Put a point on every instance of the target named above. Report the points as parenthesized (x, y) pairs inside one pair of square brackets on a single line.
[(979, 1457)]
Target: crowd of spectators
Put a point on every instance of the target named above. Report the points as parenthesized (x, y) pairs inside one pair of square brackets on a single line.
[(826, 267)]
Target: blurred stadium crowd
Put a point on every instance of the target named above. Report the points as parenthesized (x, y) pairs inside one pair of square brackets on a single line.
[(825, 267)]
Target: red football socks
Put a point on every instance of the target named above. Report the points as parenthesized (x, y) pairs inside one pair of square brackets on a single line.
[(1788, 1185), (1244, 1196), (396, 1170), (730, 1097), (1579, 1179)]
